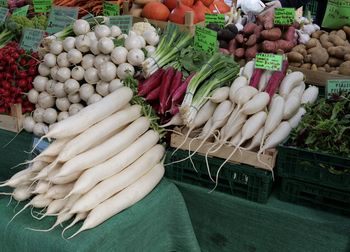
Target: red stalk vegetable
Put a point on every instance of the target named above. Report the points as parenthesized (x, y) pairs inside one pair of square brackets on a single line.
[(255, 79), (276, 79), (165, 88), (153, 95), (181, 90), (174, 85), (151, 83)]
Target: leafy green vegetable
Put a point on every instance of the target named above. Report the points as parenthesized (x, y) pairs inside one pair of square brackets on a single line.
[(325, 127), (192, 60)]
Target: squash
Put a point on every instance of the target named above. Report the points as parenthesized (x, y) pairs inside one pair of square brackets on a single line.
[(220, 5), (155, 11)]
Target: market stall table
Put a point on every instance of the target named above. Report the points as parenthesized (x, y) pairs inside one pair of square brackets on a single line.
[(159, 222)]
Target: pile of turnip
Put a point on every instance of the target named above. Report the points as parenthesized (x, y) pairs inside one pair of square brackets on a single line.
[(103, 159), (256, 112), (81, 69)]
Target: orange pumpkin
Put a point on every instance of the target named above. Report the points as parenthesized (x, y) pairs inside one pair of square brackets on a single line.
[(156, 11), (200, 10), (188, 3), (171, 4), (177, 15), (207, 2), (220, 5)]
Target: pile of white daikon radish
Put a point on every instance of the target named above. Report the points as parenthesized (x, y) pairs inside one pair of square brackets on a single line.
[(81, 69), (103, 159), (251, 118)]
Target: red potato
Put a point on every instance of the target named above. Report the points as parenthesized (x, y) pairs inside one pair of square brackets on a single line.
[(266, 20), (251, 41), (224, 51), (239, 53), (249, 28), (232, 46), (289, 35), (239, 38), (251, 52), (279, 45), (272, 34), (258, 30)]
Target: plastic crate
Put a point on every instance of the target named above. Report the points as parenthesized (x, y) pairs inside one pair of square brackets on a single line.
[(314, 167), (315, 196), (240, 180), (312, 7)]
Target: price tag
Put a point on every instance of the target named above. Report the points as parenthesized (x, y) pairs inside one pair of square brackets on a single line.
[(337, 14), (43, 144), (31, 39), (269, 61), (42, 5), (215, 19), (110, 9), (284, 16), (3, 3), (336, 86), (124, 22), (60, 17), (3, 14), (22, 11), (205, 40)]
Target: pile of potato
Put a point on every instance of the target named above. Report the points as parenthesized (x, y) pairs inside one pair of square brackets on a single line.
[(327, 52)]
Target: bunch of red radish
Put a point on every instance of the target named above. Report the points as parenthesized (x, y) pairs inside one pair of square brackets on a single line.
[(164, 90), (17, 71)]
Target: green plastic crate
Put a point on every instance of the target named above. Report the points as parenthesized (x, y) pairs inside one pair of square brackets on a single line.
[(312, 7), (314, 167), (239, 180), (315, 196)]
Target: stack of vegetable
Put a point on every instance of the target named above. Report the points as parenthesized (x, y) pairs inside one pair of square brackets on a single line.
[(262, 36), (103, 160), (258, 111), (325, 127), (327, 52), (80, 67), (175, 10), (17, 71)]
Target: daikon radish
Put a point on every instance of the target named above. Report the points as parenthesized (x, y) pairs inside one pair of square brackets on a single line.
[(54, 148), (236, 139), (104, 128), (37, 166), (65, 179), (249, 69), (256, 104), (62, 217), (91, 114), (59, 191), (117, 163), (54, 208), (299, 89), (289, 82), (107, 149), (18, 178), (295, 120), (41, 187), (291, 106), (124, 199), (239, 82), (220, 94), (256, 140), (20, 193), (310, 95), (119, 181), (78, 217)]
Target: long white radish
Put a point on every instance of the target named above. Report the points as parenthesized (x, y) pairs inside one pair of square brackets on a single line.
[(256, 104), (265, 77), (236, 139), (20, 193), (176, 120), (310, 95), (54, 148), (203, 115), (117, 163), (220, 94), (107, 149), (91, 114), (289, 82), (59, 191), (54, 208), (41, 187), (291, 106), (249, 129), (299, 89), (124, 199), (37, 166), (62, 217), (249, 69), (65, 179), (256, 140), (295, 120), (119, 181), (239, 82), (78, 217), (274, 117), (18, 178), (102, 129)]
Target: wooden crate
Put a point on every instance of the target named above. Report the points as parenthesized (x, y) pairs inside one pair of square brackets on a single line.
[(319, 78), (244, 156), (14, 121)]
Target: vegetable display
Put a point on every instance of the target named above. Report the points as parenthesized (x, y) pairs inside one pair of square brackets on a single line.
[(83, 68), (104, 159)]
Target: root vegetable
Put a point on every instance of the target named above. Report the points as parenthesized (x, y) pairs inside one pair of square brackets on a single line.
[(62, 104), (45, 100), (50, 115), (272, 35), (344, 68), (295, 57), (75, 108), (62, 116), (28, 123), (94, 98)]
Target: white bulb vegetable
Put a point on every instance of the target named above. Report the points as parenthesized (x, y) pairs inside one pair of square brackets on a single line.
[(82, 43), (50, 115), (71, 86), (119, 54), (105, 45), (81, 27), (85, 91), (107, 71), (74, 56), (91, 75), (87, 61), (78, 73), (62, 60), (39, 83), (63, 74), (43, 69), (50, 60), (68, 43), (56, 47)]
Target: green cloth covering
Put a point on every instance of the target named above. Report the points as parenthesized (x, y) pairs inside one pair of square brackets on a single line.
[(160, 222), (226, 223)]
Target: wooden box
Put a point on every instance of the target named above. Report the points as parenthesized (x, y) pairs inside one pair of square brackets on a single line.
[(14, 121), (268, 159)]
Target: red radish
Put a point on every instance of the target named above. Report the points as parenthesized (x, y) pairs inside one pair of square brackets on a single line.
[(276, 79), (153, 95), (180, 91), (175, 85), (151, 83), (165, 88), (255, 79)]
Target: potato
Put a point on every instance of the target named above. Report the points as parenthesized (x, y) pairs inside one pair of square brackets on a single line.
[(336, 40), (325, 41), (317, 34), (319, 56), (339, 51), (313, 67), (295, 64), (312, 43), (300, 49), (341, 34), (334, 72), (334, 32), (327, 67), (344, 68), (295, 57), (306, 66), (347, 57), (334, 62), (307, 58), (346, 29), (321, 69)]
